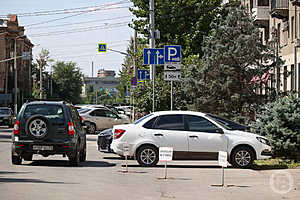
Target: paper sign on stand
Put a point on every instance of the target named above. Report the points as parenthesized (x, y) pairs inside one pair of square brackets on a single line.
[(165, 155), (126, 152), (222, 158)]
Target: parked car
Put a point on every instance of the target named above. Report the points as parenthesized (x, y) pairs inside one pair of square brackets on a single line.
[(104, 140), (48, 128), (6, 117), (105, 137), (193, 135), (101, 118)]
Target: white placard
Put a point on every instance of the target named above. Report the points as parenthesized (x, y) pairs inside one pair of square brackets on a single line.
[(172, 75), (172, 66), (165, 153), (126, 149), (222, 158)]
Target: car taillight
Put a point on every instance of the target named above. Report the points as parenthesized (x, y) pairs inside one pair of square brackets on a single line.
[(118, 133), (71, 129), (81, 119), (17, 128)]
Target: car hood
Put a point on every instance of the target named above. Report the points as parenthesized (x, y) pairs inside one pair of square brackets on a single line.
[(244, 134)]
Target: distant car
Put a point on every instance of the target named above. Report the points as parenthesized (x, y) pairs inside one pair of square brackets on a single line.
[(101, 118), (6, 117), (193, 135)]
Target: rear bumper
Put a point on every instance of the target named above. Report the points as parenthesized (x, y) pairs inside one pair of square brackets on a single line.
[(34, 148)]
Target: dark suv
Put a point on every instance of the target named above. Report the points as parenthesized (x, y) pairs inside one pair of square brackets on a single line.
[(48, 128)]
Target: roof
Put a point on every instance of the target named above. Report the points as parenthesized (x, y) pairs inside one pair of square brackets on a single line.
[(46, 102)]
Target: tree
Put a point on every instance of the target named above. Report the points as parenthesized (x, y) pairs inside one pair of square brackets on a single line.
[(280, 122), (222, 82), (67, 81), (183, 22)]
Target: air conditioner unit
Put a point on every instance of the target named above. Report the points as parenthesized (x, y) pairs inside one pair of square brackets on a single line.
[(297, 42)]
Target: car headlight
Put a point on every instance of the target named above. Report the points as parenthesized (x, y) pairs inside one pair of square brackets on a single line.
[(263, 140)]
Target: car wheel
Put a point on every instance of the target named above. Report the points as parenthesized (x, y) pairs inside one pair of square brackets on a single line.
[(147, 156), (74, 158), (37, 126), (91, 128), (242, 157), (16, 159), (27, 156), (83, 154)]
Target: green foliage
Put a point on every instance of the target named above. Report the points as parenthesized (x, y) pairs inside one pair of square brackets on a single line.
[(221, 82), (67, 82), (280, 122)]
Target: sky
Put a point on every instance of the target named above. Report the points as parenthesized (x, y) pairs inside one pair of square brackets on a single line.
[(75, 37)]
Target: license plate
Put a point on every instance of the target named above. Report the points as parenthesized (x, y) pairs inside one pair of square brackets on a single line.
[(43, 148)]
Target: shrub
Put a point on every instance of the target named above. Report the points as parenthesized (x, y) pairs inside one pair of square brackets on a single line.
[(280, 122)]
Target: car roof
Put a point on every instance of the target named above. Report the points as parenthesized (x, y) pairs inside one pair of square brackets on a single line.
[(47, 102), (173, 112)]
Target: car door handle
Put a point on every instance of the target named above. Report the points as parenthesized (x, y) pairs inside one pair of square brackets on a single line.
[(158, 134), (193, 136)]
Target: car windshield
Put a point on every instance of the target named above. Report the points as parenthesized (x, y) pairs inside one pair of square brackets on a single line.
[(141, 119), (218, 122), (4, 111)]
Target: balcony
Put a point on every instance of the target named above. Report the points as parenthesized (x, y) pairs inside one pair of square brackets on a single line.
[(280, 9), (295, 2)]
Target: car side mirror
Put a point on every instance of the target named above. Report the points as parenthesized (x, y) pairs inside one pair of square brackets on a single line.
[(219, 130)]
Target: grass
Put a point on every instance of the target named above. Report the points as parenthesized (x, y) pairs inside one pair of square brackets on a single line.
[(275, 164)]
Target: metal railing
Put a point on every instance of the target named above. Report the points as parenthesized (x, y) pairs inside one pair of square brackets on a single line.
[(279, 4)]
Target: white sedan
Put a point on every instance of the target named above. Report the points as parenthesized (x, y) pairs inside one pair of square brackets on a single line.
[(193, 135)]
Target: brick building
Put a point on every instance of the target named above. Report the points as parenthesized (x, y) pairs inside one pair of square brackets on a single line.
[(11, 32)]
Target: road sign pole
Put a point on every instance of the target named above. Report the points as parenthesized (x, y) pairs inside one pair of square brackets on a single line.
[(171, 95), (222, 176), (166, 170)]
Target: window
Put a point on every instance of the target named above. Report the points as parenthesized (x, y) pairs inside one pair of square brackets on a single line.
[(292, 77), (110, 114), (263, 3), (200, 124), (284, 78), (52, 112), (170, 122), (98, 113), (150, 123), (141, 119), (292, 28)]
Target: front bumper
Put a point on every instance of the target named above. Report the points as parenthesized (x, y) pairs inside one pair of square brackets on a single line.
[(265, 152)]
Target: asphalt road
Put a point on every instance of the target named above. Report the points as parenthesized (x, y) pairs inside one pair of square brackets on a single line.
[(101, 177)]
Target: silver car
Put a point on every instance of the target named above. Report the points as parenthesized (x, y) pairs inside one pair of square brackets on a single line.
[(101, 118)]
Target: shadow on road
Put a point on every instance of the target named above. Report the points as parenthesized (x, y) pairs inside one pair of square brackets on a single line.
[(184, 166), (23, 180), (7, 172), (65, 163)]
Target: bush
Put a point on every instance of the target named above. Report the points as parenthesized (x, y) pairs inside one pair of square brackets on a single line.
[(280, 122)]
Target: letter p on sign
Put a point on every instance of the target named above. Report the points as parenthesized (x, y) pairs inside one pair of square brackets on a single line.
[(172, 54)]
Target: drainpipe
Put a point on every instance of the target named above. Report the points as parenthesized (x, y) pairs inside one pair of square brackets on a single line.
[(295, 52)]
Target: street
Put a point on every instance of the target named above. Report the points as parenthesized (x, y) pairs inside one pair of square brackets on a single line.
[(101, 177)]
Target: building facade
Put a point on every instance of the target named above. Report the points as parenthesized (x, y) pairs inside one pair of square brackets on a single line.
[(279, 22), (106, 80), (11, 36)]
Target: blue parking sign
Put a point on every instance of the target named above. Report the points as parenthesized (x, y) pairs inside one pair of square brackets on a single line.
[(172, 54)]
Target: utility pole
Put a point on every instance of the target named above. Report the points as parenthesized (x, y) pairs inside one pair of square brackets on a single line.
[(135, 54), (152, 45), (41, 79), (92, 69), (16, 78)]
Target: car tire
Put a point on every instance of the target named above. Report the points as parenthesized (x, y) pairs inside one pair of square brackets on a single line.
[(147, 156), (37, 126), (16, 159), (91, 128), (27, 156), (83, 154), (242, 157), (74, 158)]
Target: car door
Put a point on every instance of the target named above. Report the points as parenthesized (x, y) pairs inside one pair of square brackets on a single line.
[(169, 131), (205, 139), (99, 117)]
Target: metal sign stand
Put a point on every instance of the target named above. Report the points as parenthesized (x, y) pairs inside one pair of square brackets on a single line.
[(166, 170), (171, 95), (223, 176)]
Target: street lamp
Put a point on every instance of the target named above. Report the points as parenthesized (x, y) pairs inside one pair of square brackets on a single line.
[(16, 74)]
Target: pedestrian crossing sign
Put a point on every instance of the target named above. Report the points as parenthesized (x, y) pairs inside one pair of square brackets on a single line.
[(102, 47)]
